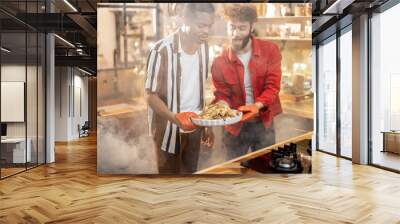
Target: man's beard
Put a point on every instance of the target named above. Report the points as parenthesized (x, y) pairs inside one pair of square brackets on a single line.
[(245, 42)]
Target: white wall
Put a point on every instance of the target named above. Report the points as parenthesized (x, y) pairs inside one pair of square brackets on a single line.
[(13, 101), (33, 126), (69, 85), (80, 84), (13, 73), (61, 103), (16, 73)]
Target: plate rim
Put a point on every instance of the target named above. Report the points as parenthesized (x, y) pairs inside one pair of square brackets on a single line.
[(217, 122)]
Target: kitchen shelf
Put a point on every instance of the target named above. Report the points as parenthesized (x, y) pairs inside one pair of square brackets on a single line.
[(286, 39), (284, 19), (270, 38)]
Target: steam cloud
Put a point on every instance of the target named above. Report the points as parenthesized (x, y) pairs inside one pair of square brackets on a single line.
[(120, 151)]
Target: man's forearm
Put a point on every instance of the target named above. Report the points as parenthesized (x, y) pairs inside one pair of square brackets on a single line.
[(160, 108)]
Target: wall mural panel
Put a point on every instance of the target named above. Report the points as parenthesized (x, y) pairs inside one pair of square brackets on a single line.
[(211, 88)]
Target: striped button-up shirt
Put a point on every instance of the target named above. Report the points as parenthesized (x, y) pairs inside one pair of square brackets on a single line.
[(164, 79)]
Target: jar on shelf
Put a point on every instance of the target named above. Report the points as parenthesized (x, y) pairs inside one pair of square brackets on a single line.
[(286, 9), (308, 10), (299, 10), (308, 29), (261, 9), (295, 29)]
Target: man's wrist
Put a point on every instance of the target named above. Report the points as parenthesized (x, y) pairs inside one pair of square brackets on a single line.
[(259, 105), (173, 119)]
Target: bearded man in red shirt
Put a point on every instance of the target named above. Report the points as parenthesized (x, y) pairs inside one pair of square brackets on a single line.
[(247, 77)]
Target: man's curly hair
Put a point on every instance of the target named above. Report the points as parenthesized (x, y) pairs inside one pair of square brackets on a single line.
[(241, 12)]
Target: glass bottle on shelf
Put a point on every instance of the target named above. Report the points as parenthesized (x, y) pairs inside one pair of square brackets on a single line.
[(298, 78), (270, 10)]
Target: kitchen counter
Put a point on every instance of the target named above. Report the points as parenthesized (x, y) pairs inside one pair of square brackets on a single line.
[(304, 108), (233, 166)]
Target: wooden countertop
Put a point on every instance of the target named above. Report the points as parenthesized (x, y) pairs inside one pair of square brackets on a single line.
[(304, 108), (234, 163)]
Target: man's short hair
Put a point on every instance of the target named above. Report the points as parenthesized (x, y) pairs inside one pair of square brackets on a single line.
[(241, 12), (190, 8)]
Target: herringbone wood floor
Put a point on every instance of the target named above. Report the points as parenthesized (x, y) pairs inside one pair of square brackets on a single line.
[(69, 191)]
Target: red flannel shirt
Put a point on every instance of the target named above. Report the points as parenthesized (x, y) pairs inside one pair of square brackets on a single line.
[(265, 71)]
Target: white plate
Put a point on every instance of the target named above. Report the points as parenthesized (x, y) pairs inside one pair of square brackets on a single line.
[(217, 122)]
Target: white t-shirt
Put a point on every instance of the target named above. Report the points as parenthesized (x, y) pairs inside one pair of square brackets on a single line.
[(190, 83), (248, 86)]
